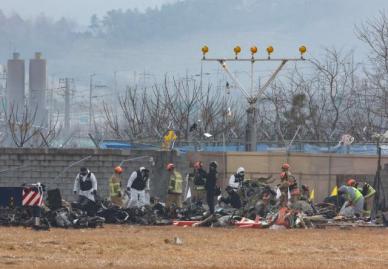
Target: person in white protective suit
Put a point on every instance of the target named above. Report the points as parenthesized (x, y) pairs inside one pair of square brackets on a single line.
[(85, 185), (236, 180), (138, 188)]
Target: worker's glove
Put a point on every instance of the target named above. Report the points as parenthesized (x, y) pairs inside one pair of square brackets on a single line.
[(219, 198)]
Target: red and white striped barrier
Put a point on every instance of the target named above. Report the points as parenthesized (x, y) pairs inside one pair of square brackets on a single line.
[(32, 196)]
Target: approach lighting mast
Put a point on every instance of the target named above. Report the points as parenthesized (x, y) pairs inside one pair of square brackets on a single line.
[(255, 94)]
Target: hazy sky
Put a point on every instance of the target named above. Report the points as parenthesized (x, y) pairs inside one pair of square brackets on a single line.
[(79, 10)]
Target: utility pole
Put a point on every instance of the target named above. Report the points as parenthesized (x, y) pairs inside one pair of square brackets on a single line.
[(3, 87), (253, 96), (67, 104), (92, 87), (144, 77), (51, 99), (65, 84), (90, 101), (115, 94)]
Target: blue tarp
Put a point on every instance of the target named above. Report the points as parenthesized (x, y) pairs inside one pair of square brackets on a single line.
[(123, 145), (366, 149)]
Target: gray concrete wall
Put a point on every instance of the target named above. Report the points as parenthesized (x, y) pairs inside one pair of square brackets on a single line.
[(18, 166), (319, 171)]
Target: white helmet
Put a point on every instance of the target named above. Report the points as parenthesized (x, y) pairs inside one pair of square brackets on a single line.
[(240, 170), (141, 168)]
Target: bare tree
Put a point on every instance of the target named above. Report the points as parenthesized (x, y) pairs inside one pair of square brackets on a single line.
[(134, 112), (374, 33), (176, 104), (112, 121), (51, 133), (22, 129), (21, 125)]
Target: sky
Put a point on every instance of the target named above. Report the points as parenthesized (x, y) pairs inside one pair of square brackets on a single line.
[(78, 10), (317, 26)]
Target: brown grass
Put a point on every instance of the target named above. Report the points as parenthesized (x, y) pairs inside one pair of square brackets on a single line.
[(153, 247)]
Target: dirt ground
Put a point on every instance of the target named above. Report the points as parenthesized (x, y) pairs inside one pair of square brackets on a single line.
[(154, 247)]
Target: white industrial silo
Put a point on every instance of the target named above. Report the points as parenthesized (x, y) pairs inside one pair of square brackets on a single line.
[(38, 85), (15, 84)]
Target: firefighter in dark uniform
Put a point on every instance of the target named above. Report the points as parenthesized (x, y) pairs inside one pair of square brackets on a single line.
[(198, 182), (210, 186)]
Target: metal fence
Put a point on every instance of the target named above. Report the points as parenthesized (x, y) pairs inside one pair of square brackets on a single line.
[(367, 148)]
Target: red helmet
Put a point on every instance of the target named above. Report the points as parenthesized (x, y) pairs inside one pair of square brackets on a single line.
[(118, 170), (351, 182), (198, 164), (170, 167), (285, 166)]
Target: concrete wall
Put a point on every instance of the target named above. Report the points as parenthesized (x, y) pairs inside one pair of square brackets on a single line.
[(319, 171), (18, 166)]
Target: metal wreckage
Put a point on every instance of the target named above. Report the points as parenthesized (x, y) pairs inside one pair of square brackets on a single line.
[(260, 208)]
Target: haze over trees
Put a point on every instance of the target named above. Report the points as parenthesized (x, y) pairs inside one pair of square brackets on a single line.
[(340, 90), (138, 40)]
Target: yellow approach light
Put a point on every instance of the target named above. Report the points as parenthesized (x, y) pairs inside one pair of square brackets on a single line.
[(237, 50), (270, 50), (253, 50), (302, 51), (205, 49)]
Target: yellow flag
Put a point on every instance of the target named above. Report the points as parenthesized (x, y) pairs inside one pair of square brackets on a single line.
[(312, 195), (334, 192)]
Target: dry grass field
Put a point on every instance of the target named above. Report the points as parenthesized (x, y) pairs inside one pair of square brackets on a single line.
[(154, 247)]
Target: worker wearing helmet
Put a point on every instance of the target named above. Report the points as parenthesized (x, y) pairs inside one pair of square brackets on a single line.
[(285, 166), (351, 182), (174, 196), (137, 185), (286, 171), (354, 204), (197, 181), (115, 187), (285, 177), (367, 191), (236, 180)]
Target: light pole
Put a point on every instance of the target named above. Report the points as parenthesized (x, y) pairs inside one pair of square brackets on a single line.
[(253, 96)]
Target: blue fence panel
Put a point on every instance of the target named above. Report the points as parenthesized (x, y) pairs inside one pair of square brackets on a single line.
[(365, 149)]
